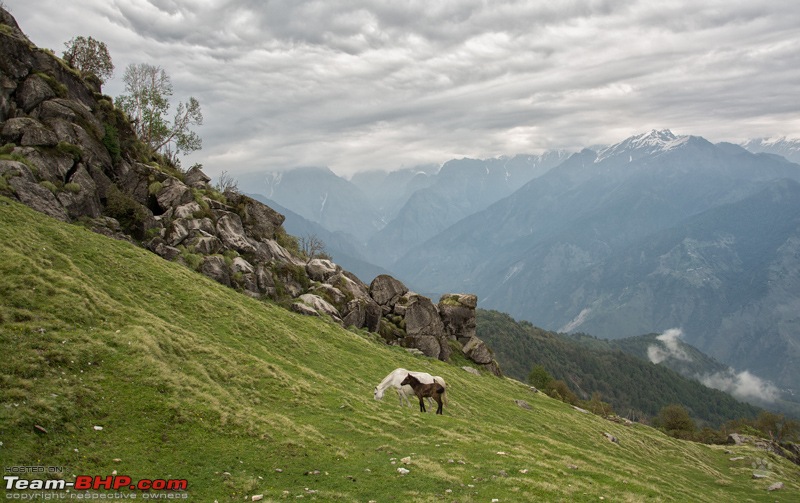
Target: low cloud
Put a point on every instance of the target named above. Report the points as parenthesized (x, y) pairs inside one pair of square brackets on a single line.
[(742, 385), (670, 347)]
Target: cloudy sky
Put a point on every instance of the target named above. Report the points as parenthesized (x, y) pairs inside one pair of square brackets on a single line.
[(358, 84)]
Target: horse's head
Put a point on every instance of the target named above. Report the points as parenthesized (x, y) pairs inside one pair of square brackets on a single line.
[(378, 393), (410, 380)]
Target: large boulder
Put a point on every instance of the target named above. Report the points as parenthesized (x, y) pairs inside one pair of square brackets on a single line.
[(424, 327), (37, 197), (80, 195), (202, 242), (321, 269), (320, 305), (477, 351), (386, 291), (231, 232), (215, 268), (362, 312), (458, 315), (173, 194), (196, 178), (259, 220), (265, 281)]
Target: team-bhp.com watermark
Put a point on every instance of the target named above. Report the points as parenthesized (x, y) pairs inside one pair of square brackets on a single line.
[(36, 486)]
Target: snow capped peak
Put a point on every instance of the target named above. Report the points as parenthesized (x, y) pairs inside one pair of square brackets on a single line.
[(643, 144), (780, 145)]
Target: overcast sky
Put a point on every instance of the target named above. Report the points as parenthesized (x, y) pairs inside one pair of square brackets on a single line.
[(358, 84)]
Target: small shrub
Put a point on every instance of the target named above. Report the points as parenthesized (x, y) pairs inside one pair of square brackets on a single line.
[(57, 87), (192, 260), (539, 377), (7, 154), (560, 391), (49, 186), (70, 149), (72, 187), (111, 143), (130, 214), (238, 278), (151, 233), (4, 185), (289, 242), (229, 255), (154, 188)]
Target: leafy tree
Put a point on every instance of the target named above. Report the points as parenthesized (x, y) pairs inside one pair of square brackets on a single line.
[(560, 391), (148, 91), (89, 56), (597, 406), (676, 421), (776, 426), (539, 377)]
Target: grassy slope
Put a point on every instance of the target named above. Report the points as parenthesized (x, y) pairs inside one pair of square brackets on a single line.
[(192, 380)]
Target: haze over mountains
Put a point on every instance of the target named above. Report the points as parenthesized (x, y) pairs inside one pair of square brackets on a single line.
[(656, 232)]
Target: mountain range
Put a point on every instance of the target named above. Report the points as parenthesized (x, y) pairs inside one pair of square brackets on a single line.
[(387, 214), (655, 232)]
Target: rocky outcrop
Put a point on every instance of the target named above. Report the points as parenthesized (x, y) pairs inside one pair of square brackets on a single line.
[(69, 153)]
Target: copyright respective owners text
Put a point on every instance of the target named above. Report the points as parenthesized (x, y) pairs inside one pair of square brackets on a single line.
[(46, 483)]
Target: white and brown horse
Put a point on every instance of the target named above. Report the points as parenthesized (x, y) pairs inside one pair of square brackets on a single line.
[(395, 378)]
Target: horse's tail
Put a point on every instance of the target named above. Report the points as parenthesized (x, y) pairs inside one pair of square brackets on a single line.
[(438, 380)]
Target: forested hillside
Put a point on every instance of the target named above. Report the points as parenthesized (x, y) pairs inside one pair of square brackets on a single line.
[(634, 387)]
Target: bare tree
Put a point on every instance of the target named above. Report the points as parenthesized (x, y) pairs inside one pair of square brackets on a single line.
[(312, 247), (227, 183)]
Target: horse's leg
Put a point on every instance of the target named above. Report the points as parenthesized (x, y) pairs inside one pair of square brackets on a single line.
[(404, 396), (421, 405), (438, 399)]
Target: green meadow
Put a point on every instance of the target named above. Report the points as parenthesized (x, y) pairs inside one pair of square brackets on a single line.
[(116, 361)]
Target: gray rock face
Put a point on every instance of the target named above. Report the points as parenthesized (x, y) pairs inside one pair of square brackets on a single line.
[(81, 201), (38, 198), (33, 91)]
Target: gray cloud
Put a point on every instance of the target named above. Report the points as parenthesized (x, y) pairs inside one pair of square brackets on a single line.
[(742, 385), (355, 84), (669, 347)]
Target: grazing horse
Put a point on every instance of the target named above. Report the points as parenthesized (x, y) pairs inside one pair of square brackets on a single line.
[(433, 390), (394, 379)]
